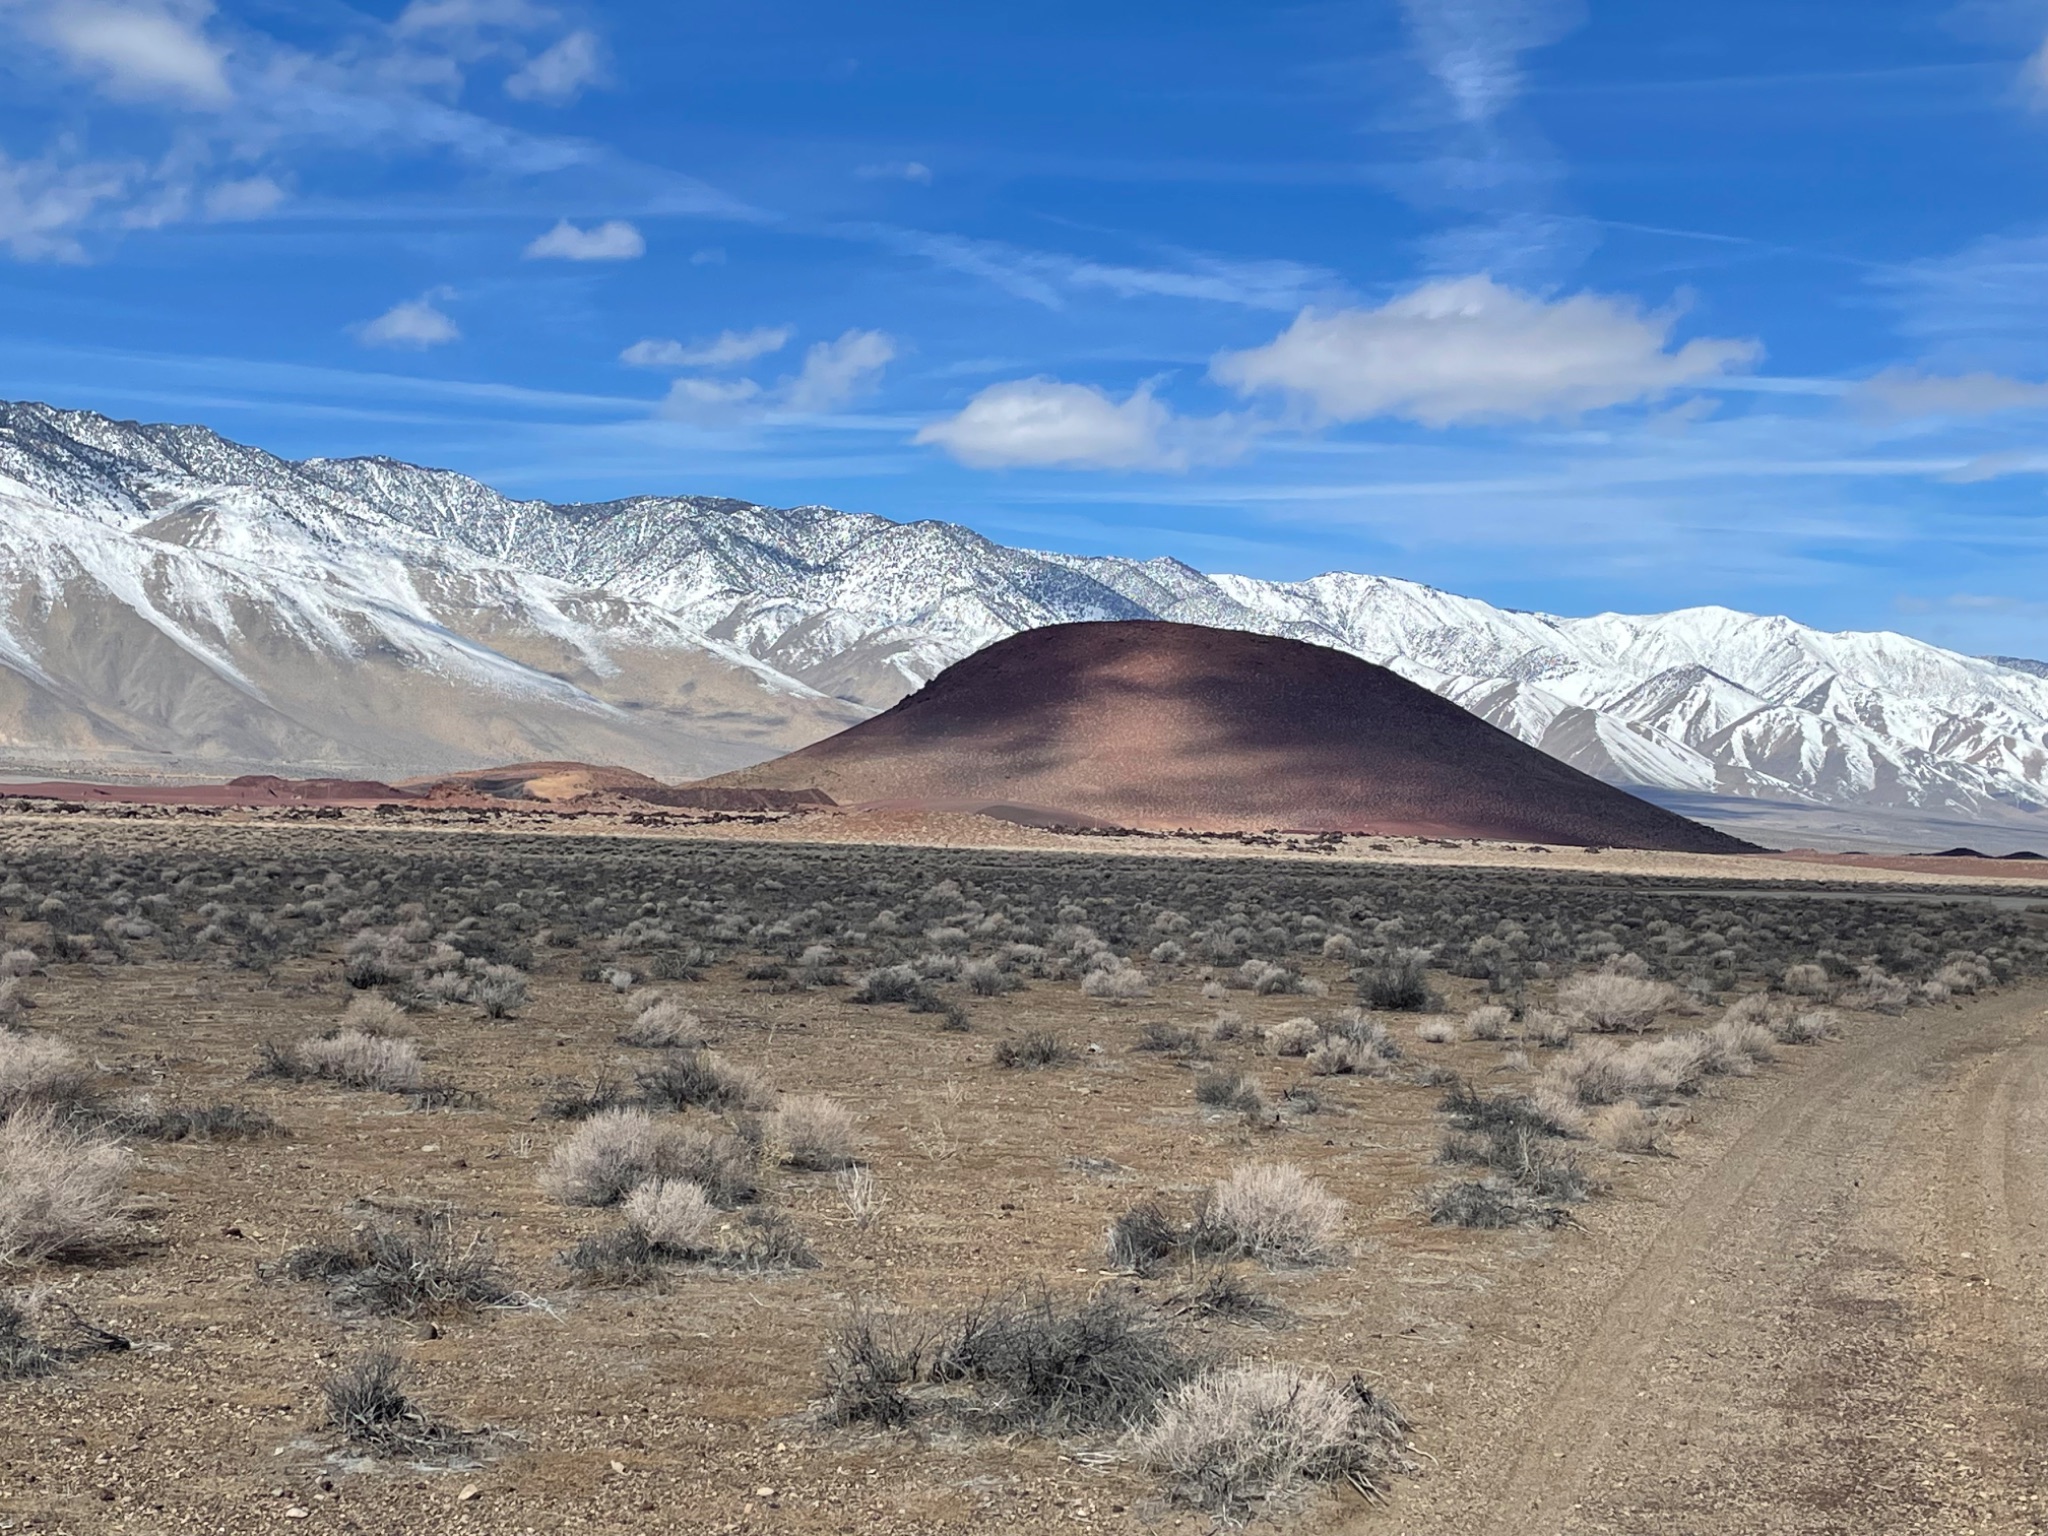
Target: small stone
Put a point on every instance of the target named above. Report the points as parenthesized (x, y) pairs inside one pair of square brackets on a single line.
[(469, 1492), (619, 1467), (297, 1512)]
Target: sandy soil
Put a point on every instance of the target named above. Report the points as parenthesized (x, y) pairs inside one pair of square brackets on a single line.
[(1824, 1313)]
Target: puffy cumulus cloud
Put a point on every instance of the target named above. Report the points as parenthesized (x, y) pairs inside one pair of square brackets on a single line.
[(1469, 349), (613, 240), (415, 324), (835, 373), (725, 350), (1045, 423), (561, 73), (139, 49), (1906, 393)]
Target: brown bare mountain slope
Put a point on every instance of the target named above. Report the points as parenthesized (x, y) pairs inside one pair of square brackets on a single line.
[(1176, 725)]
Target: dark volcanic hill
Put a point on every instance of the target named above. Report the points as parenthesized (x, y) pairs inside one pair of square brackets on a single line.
[(1175, 725)]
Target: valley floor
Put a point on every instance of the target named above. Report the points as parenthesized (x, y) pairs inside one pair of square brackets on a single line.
[(1824, 1311)]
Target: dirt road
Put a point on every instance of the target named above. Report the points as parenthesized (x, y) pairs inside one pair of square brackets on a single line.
[(1829, 1315)]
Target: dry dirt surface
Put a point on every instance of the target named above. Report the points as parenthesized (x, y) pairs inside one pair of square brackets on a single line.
[(1818, 1308)]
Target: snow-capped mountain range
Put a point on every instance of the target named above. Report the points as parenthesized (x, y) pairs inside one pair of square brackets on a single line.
[(172, 595)]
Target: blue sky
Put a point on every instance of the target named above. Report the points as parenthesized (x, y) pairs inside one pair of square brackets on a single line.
[(1572, 306)]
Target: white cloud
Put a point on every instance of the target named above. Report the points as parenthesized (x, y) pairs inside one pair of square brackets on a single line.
[(249, 198), (710, 402), (728, 348), (613, 240), (1474, 47), (1905, 392), (559, 75), (897, 170), (1468, 349), (414, 324), (470, 16), (836, 372), (141, 49), (709, 256), (43, 201), (1049, 424)]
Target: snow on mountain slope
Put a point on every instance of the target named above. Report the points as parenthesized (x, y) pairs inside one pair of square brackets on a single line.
[(627, 603)]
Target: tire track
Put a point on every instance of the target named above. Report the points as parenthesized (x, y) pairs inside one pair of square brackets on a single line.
[(1827, 1134)]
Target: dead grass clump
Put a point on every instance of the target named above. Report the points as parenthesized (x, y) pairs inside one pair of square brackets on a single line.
[(662, 1024), (1740, 1047), (1625, 1128), (366, 1401), (349, 1058), (728, 1166), (1808, 980), (1230, 1091), (1489, 1022), (1355, 1045), (888, 984), (704, 1080), (1032, 1050), (1241, 1435), (408, 1266), (1272, 1212), (1399, 983), (672, 1216), (1144, 1239), (1161, 1038), (609, 1155), (1293, 1037), (60, 1190), (1808, 1028), (1533, 1162), (1489, 1204), (816, 1132), (1221, 1292), (39, 1333), (500, 991), (373, 1015), (572, 1099), (212, 1122), (38, 1072), (1125, 983), (1608, 1002)]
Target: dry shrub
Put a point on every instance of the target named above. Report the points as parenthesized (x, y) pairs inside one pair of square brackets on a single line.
[(1489, 1204), (366, 1401), (1034, 1358), (1876, 992), (816, 1132), (728, 1166), (671, 1215), (1032, 1050), (1239, 1435), (1230, 1091), (1740, 1047), (370, 1014), (1144, 1238), (1120, 985), (38, 1333), (37, 1072), (1807, 981), (1625, 1128), (354, 1060), (1272, 1212), (408, 1266), (705, 1080), (663, 1023), (18, 962), (608, 1156), (1606, 1002), (1487, 1023), (1355, 1044), (60, 1190), (1293, 1037), (1808, 1028), (1436, 1031), (500, 991)]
